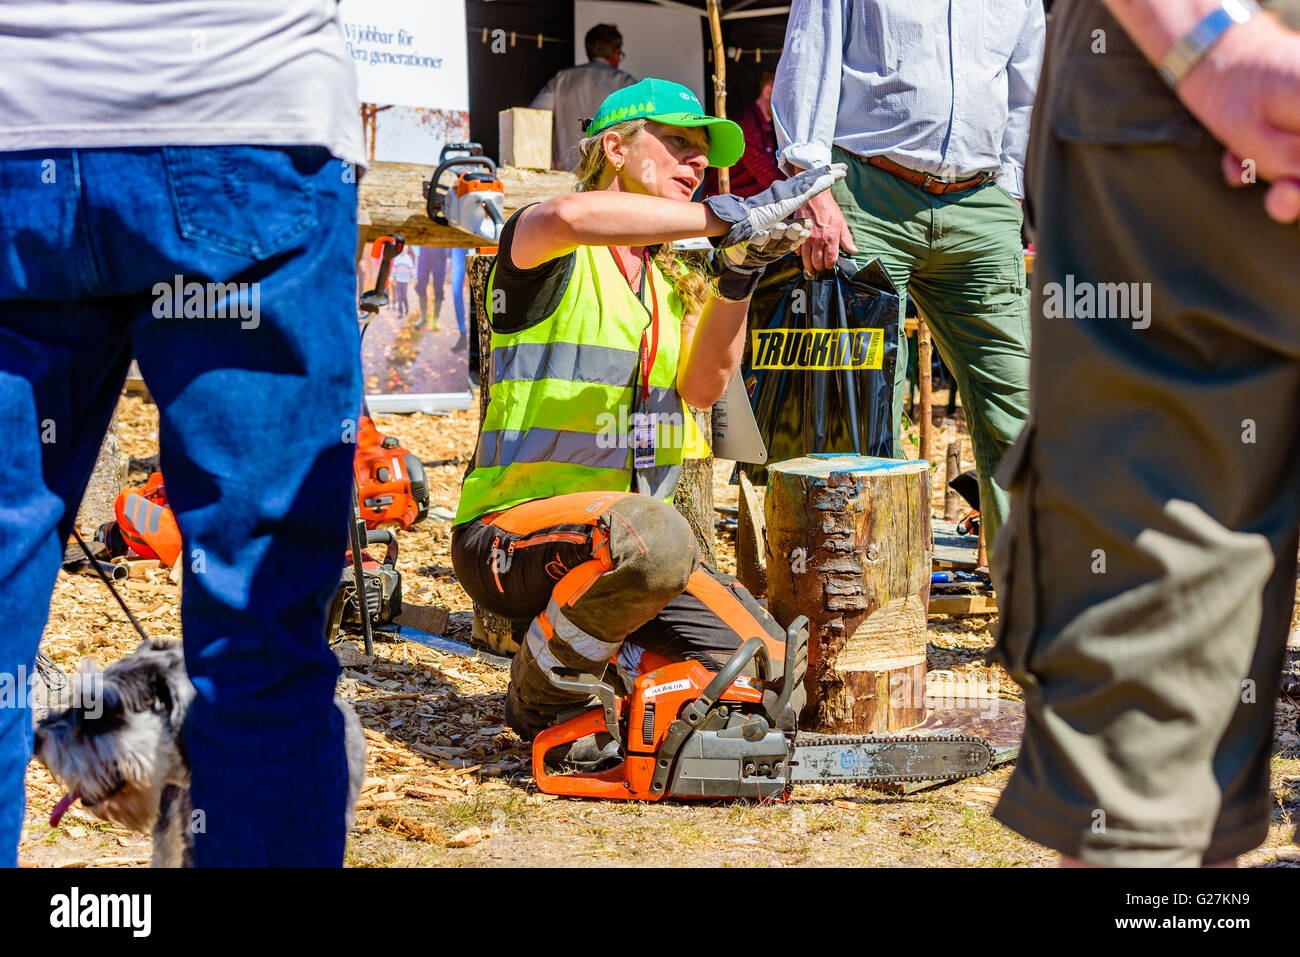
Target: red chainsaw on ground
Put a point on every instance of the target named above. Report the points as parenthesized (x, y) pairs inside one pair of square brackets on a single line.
[(686, 732)]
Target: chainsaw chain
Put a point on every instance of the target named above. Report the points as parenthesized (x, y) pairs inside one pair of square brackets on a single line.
[(803, 739)]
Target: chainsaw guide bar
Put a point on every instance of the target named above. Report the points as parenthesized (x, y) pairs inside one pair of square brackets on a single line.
[(886, 759)]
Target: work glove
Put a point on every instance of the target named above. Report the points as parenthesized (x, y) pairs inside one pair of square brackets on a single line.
[(735, 270), (761, 214)]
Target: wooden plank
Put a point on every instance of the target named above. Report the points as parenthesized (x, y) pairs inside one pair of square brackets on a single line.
[(751, 533), (390, 200), (961, 605)]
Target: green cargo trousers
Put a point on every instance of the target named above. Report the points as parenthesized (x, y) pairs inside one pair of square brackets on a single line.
[(959, 257), (1147, 573)]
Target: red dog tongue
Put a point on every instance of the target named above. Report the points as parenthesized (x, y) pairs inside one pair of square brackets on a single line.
[(61, 808)]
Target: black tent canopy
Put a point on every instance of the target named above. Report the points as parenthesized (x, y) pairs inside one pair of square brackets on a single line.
[(753, 32)]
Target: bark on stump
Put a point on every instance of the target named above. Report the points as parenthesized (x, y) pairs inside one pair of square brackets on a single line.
[(848, 545), (106, 481), (694, 494)]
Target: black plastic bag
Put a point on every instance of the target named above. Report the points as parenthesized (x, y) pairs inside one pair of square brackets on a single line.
[(819, 361)]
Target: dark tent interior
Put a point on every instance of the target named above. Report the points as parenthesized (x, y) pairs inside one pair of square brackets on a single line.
[(494, 87)]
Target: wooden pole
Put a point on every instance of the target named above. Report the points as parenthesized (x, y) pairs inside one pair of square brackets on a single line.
[(848, 545), (719, 81), (923, 378), (951, 500)]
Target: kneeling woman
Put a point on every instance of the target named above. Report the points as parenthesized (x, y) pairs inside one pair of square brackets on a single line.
[(599, 333)]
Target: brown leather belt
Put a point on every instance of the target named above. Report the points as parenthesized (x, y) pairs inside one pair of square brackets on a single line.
[(926, 181)]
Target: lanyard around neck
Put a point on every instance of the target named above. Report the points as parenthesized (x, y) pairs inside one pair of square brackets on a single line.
[(650, 342)]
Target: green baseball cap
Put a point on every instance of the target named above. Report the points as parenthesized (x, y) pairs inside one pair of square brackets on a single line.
[(667, 102)]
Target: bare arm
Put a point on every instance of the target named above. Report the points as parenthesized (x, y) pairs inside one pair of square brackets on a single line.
[(1246, 90), (712, 348), (603, 217)]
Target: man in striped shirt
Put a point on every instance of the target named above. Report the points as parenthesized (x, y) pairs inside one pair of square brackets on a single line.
[(928, 104)]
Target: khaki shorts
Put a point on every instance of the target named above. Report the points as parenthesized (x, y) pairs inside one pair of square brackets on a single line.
[(1147, 571)]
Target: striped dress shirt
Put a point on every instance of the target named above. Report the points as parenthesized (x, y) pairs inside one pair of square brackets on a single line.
[(940, 86)]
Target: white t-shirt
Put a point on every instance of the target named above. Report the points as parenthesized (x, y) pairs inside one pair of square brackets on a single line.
[(106, 73)]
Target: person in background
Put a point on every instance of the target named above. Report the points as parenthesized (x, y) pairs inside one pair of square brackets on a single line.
[(213, 147), (574, 94), (1147, 577), (433, 262), (431, 267), (928, 104), (757, 169)]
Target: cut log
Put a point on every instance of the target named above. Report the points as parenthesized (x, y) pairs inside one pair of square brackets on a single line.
[(390, 200), (848, 545), (951, 500)]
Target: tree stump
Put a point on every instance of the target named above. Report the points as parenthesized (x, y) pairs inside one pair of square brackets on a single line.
[(848, 545)]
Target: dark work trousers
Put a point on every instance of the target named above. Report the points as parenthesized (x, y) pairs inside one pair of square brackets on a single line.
[(1147, 571), (595, 578)]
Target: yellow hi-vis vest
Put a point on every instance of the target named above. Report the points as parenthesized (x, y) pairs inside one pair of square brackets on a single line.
[(559, 416)]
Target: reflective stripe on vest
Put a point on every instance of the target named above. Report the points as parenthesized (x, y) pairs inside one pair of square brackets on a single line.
[(560, 399)]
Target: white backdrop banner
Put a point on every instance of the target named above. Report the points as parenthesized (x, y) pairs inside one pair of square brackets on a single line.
[(663, 42), (408, 52)]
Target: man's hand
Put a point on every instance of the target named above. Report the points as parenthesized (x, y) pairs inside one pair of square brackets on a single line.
[(1247, 93), (828, 233)]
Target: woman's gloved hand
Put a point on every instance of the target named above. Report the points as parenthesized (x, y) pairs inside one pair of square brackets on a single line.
[(775, 204), (759, 233), (736, 269)]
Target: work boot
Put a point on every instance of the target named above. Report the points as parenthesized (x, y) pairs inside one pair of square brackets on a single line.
[(595, 752), (460, 343)]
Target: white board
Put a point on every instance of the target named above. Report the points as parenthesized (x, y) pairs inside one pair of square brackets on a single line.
[(662, 42), (408, 52)]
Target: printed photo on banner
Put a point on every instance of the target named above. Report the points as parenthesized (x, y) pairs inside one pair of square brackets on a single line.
[(410, 57)]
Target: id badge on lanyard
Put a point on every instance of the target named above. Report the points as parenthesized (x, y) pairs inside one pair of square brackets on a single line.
[(643, 432)]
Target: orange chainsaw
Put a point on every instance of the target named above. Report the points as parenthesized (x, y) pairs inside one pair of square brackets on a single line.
[(391, 485), (685, 732)]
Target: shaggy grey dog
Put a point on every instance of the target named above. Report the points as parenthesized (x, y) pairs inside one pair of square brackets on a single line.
[(118, 748)]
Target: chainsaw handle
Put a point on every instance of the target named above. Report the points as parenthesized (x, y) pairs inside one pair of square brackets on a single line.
[(732, 669), (390, 247), (375, 536), (434, 191), (796, 643), (598, 784)]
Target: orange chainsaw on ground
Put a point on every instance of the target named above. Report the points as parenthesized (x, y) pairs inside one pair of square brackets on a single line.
[(685, 732), (391, 485)]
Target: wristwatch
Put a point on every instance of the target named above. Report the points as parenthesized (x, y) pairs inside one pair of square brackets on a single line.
[(1189, 51)]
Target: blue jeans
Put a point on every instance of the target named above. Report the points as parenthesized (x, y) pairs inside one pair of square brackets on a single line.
[(258, 387)]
